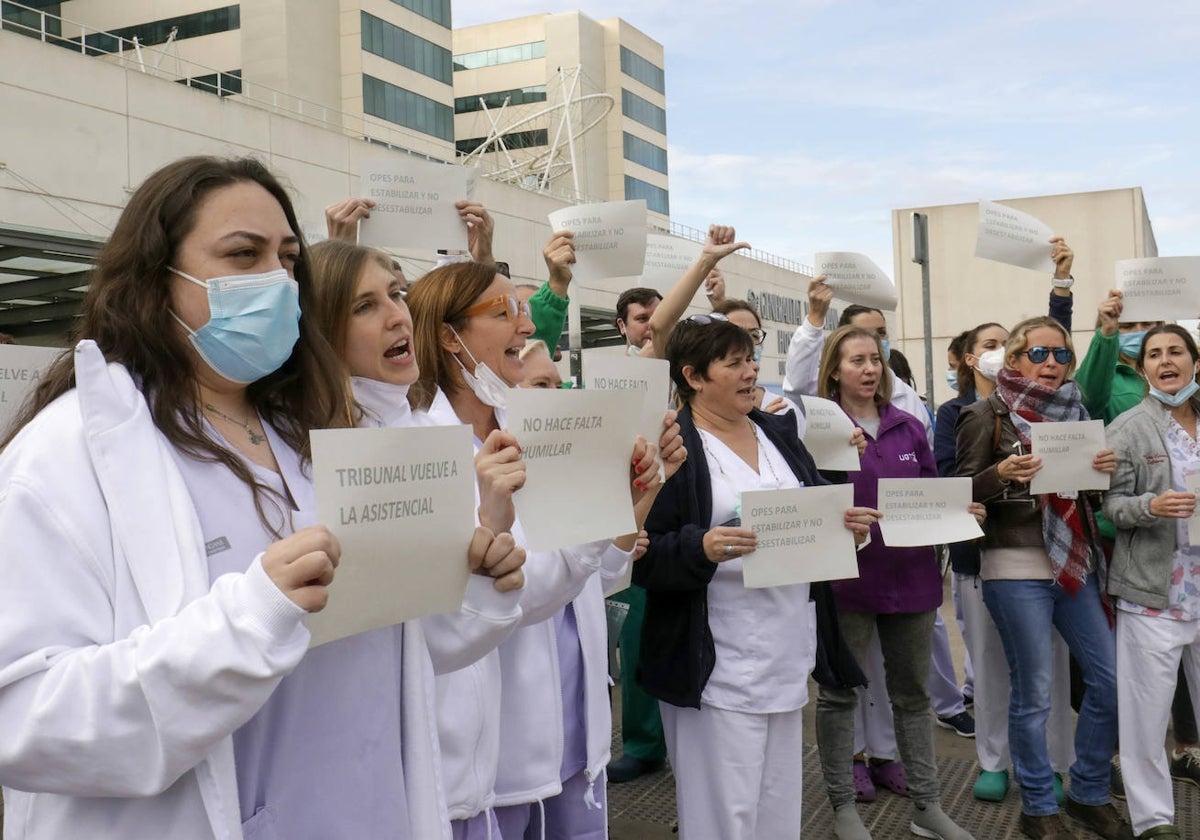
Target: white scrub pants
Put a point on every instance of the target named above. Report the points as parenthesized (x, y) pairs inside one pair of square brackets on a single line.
[(738, 775), (992, 688), (1149, 651)]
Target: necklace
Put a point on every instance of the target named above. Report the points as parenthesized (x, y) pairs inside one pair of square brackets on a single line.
[(255, 437), (764, 455)]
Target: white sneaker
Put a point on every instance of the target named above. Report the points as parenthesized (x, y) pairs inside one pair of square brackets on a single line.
[(929, 820)]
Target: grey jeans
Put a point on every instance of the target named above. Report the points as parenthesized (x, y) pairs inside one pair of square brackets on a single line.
[(905, 640)]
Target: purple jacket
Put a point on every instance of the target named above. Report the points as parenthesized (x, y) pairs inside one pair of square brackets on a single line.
[(892, 580)]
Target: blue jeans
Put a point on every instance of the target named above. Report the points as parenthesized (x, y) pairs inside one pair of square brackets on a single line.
[(1024, 612)]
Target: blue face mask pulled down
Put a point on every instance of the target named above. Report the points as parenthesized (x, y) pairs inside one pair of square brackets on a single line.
[(887, 348), (1131, 343), (253, 323), (1178, 399)]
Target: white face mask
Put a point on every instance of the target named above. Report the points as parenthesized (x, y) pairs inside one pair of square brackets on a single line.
[(989, 363), (485, 384)]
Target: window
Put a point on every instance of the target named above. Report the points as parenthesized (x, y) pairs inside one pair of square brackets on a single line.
[(656, 197), (437, 11), (502, 55), (222, 84), (515, 140), (404, 48), (647, 113), (516, 96), (646, 154), (403, 107), (636, 67), (157, 32)]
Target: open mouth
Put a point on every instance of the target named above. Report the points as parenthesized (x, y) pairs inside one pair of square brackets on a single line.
[(401, 350)]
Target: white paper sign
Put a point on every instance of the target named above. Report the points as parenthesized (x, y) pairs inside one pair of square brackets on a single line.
[(649, 377), (926, 511), (854, 278), (1191, 483), (414, 203), (1067, 451), (610, 238), (827, 435), (401, 503), (21, 370), (1014, 238), (576, 446), (667, 258), (1159, 288), (802, 536)]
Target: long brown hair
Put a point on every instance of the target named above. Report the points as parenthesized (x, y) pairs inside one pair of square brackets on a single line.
[(127, 312), (831, 358), (334, 267), (441, 297)]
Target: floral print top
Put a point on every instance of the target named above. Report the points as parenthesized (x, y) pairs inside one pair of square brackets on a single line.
[(1184, 597)]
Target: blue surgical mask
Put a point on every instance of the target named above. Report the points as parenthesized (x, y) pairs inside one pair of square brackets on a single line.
[(253, 324), (1131, 343), (952, 379), (1175, 400), (887, 348), (758, 354)]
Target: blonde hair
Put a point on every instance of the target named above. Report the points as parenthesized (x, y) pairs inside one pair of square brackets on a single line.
[(831, 359), (1018, 340), (534, 345)]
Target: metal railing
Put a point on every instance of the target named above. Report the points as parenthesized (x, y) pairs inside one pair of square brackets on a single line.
[(168, 65)]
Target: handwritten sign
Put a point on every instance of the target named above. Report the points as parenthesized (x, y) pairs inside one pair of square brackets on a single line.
[(401, 503), (414, 203), (1067, 451), (827, 435), (1014, 238), (854, 278), (802, 536), (21, 370), (667, 258), (576, 446), (926, 511), (610, 238), (1159, 288)]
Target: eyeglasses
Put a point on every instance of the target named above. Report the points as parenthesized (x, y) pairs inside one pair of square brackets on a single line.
[(758, 335), (514, 307), (1039, 354)]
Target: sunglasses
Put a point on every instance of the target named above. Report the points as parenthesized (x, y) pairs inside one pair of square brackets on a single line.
[(758, 335), (514, 307), (1039, 354)]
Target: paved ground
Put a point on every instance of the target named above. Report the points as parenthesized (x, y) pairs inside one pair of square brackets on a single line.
[(645, 809)]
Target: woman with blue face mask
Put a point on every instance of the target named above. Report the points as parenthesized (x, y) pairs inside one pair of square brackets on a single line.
[(155, 676), (1155, 573)]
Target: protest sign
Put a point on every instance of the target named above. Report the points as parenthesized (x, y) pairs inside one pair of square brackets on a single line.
[(577, 447), (610, 238), (1067, 451), (926, 511), (854, 278), (827, 433), (1014, 238), (802, 536), (414, 203), (401, 503), (1159, 288)]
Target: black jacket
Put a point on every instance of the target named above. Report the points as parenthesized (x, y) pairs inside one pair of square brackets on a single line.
[(678, 654)]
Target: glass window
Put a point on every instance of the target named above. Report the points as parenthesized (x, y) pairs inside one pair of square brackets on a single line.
[(647, 113), (514, 140), (636, 67), (437, 11), (646, 154), (501, 55), (403, 107), (219, 83), (157, 32), (404, 48), (656, 197), (516, 96)]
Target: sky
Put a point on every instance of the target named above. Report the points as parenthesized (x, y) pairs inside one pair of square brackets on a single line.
[(804, 123)]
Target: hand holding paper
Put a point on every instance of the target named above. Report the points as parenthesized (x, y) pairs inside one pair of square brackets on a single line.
[(925, 511), (1074, 456), (610, 238), (414, 203), (804, 535), (480, 229), (302, 566), (830, 435), (501, 472)]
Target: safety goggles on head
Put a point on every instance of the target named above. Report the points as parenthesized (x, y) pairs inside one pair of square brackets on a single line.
[(514, 307), (1039, 354)]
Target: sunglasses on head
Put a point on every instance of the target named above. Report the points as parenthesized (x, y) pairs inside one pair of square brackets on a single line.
[(757, 334), (1039, 354), (514, 307)]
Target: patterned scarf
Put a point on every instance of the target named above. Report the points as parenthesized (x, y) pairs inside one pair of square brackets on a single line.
[(1068, 537)]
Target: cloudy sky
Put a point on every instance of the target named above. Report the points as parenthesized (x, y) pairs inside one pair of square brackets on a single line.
[(805, 122)]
